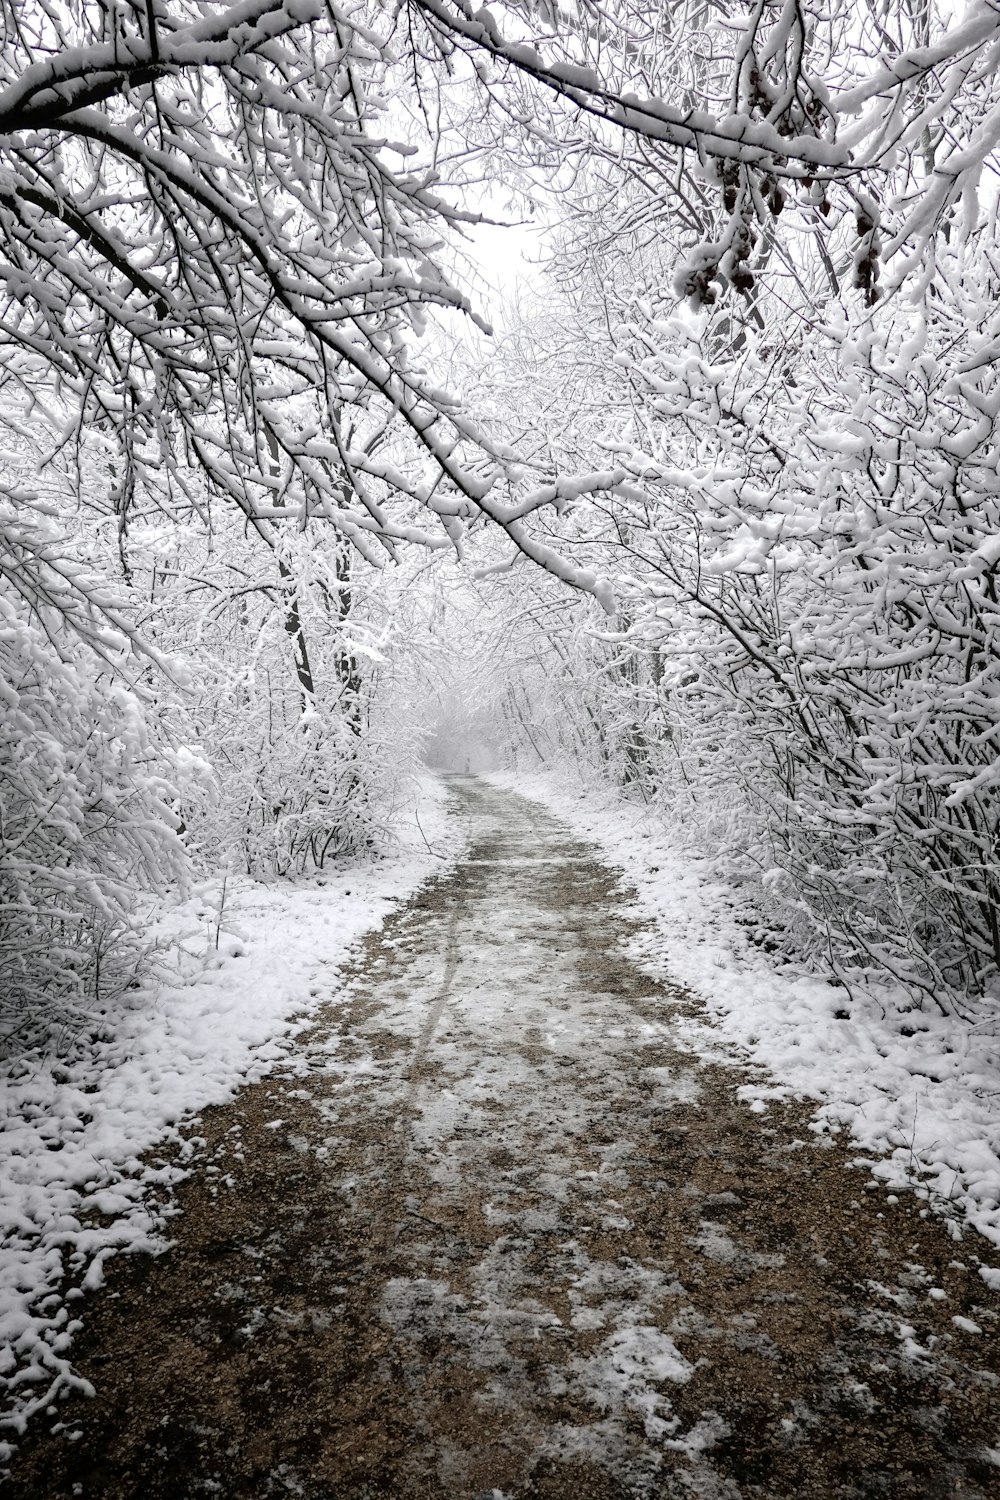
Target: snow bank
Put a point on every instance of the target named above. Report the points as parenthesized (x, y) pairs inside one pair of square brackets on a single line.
[(919, 1091), (78, 1126)]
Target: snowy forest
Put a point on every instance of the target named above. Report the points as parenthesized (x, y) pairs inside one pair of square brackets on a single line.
[(713, 516), (602, 389)]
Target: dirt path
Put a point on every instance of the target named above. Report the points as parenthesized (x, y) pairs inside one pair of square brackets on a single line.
[(503, 1238)]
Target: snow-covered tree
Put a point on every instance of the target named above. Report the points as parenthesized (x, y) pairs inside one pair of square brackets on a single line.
[(226, 226)]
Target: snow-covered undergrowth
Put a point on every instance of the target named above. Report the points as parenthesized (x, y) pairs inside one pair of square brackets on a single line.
[(918, 1090), (94, 1130)]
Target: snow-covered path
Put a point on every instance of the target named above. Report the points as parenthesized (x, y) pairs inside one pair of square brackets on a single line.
[(498, 1233)]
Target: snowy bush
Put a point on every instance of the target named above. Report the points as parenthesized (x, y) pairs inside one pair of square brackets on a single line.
[(86, 792), (292, 701), (291, 791), (839, 554)]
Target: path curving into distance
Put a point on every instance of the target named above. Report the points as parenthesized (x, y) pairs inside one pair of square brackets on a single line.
[(498, 1233)]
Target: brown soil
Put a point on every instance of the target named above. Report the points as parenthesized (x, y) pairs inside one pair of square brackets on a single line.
[(492, 1159)]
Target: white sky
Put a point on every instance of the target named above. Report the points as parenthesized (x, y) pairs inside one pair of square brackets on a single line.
[(506, 261)]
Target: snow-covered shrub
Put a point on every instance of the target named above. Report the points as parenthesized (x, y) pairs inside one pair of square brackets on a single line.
[(293, 699), (822, 576), (293, 790), (87, 820)]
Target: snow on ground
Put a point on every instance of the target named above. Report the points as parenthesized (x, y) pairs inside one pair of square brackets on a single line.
[(918, 1090), (89, 1132)]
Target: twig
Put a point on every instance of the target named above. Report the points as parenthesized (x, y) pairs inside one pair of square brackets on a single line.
[(424, 837), (222, 903)]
